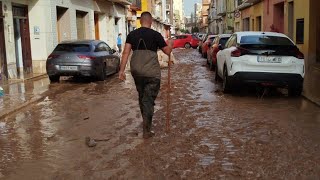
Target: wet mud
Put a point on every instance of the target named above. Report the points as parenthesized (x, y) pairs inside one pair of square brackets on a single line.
[(212, 135)]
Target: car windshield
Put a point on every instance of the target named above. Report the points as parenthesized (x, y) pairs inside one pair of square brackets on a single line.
[(223, 41), (73, 48), (265, 40)]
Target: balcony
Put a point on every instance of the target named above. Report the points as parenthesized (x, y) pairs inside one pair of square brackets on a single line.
[(206, 2), (123, 2), (136, 5)]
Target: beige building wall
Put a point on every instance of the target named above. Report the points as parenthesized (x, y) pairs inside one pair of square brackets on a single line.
[(43, 27)]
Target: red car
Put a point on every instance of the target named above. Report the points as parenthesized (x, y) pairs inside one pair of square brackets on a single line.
[(186, 41), (220, 40), (205, 45)]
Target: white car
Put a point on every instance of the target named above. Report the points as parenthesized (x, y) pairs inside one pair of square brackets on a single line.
[(265, 58)]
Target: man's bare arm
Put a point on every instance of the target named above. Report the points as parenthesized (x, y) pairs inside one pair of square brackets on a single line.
[(124, 60), (168, 49)]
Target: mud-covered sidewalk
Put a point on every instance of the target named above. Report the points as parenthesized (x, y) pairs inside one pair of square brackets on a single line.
[(212, 135)]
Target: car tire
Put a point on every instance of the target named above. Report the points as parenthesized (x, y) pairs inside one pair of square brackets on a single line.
[(54, 79), (294, 91), (226, 84), (187, 46), (205, 55), (102, 74), (211, 66), (217, 77)]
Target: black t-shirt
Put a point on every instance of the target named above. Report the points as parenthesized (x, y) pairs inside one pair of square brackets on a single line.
[(153, 39)]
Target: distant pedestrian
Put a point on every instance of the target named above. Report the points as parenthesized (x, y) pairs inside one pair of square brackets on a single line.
[(144, 66), (119, 42)]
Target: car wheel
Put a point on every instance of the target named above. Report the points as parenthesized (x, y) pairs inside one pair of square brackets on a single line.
[(54, 79), (217, 78), (187, 45), (294, 91), (226, 84), (102, 74), (211, 67)]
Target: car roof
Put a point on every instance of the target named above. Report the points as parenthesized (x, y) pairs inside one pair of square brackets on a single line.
[(248, 33), (93, 42), (224, 35)]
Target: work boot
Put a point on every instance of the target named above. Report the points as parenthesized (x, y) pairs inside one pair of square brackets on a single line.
[(147, 135)]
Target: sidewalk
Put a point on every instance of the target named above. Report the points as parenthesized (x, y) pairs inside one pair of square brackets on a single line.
[(20, 93)]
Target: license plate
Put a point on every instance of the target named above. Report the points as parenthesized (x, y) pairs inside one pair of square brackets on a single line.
[(69, 68), (267, 59)]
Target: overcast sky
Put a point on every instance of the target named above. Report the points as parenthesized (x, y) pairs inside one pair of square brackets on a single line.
[(189, 6)]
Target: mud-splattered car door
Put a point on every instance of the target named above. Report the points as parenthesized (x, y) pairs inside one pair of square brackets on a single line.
[(112, 61)]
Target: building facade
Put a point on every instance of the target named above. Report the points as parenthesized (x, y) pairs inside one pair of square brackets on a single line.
[(204, 16), (32, 28)]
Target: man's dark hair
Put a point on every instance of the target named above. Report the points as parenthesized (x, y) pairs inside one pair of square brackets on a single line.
[(146, 14)]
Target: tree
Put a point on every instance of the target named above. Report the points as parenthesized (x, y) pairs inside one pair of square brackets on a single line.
[(194, 29)]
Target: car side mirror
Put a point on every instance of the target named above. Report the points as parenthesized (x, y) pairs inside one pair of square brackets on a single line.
[(113, 51), (220, 47)]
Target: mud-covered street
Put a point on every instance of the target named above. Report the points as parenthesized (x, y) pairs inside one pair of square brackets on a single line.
[(212, 135)]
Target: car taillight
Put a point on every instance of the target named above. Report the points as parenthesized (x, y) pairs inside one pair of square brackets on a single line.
[(86, 57), (51, 56), (236, 53), (299, 54)]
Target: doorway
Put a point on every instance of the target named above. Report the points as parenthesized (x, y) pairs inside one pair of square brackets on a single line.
[(81, 24), (246, 24), (22, 40), (3, 59), (259, 23), (62, 21), (96, 26), (278, 17)]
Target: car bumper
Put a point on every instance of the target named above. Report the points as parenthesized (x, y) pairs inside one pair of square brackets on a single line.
[(81, 70), (268, 79)]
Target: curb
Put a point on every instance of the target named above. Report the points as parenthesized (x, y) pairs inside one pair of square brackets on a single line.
[(33, 100)]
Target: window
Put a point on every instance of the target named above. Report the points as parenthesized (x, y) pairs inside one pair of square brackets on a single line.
[(102, 47), (266, 40), (73, 48), (300, 31), (232, 41), (223, 41)]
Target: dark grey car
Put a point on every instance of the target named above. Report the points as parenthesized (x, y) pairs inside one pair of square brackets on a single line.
[(82, 58)]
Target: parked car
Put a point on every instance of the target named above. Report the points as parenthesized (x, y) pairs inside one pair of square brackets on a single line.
[(204, 37), (82, 58), (220, 40), (264, 58), (205, 45), (186, 41), (200, 36)]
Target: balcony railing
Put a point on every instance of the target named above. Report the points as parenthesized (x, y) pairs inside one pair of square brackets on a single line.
[(136, 5)]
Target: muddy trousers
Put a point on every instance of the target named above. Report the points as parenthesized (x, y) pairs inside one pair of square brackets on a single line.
[(148, 89)]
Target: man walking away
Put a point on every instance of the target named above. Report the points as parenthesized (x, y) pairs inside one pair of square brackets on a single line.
[(145, 67), (119, 42)]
